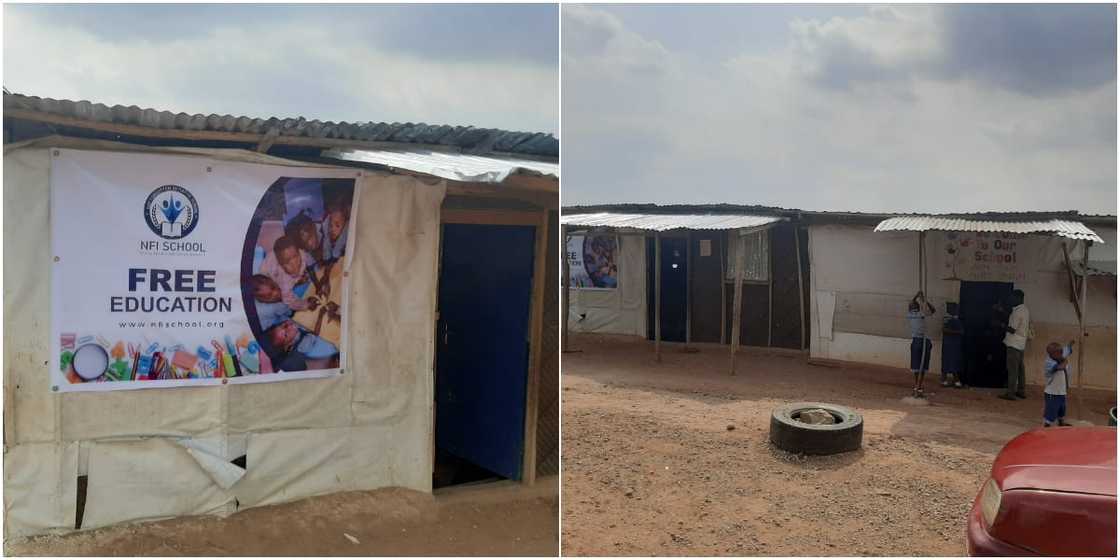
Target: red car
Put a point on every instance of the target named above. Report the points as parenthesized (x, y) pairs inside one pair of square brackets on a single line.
[(1052, 492)]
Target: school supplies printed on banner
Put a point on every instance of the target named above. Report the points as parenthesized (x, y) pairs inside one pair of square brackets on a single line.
[(173, 271)]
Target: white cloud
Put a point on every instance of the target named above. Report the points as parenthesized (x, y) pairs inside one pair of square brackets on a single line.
[(280, 70), (756, 131)]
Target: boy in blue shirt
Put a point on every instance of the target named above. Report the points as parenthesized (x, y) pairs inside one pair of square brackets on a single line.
[(271, 309), (293, 346), (920, 344), (1057, 384)]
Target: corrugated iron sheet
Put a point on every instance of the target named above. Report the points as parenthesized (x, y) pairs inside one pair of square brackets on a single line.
[(464, 137), (1062, 228), (666, 222), (456, 167), (832, 215)]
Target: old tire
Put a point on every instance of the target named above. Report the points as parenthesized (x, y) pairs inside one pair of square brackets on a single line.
[(790, 434)]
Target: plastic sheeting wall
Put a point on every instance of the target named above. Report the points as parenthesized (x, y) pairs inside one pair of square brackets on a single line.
[(144, 451), (861, 282), (621, 310)]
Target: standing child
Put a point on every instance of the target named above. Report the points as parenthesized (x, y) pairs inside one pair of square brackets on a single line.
[(952, 361), (920, 344), (1057, 384)]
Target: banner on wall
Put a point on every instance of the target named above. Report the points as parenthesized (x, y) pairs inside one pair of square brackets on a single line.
[(984, 257), (592, 260), (175, 271)]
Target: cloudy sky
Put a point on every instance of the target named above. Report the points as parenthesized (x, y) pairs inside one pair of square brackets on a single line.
[(935, 109), (488, 66)]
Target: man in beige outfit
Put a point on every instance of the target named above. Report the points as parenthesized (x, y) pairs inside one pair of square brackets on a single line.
[(1018, 331)]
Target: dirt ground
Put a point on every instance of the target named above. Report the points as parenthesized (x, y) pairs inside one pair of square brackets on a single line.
[(502, 519), (673, 458)]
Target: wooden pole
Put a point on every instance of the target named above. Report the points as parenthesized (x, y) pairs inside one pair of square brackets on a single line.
[(919, 262), (657, 294), (723, 289), (770, 291), (536, 329), (922, 264), (566, 282), (1072, 281), (1081, 329), (688, 291), (800, 286), (737, 310)]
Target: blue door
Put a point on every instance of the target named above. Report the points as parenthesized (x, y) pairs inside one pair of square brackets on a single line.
[(482, 348), (674, 289)]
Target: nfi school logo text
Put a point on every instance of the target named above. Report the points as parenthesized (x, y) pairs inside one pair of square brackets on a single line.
[(171, 212)]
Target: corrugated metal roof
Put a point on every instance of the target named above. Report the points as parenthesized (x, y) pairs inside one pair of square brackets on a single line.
[(873, 216), (666, 222), (1062, 228), (456, 167), (464, 137)]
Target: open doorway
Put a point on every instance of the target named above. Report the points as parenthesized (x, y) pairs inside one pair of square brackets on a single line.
[(674, 288), (985, 358), (482, 352)]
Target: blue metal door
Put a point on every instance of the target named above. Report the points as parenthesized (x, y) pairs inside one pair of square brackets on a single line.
[(482, 348)]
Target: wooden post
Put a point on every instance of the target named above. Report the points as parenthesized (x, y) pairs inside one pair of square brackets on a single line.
[(536, 329), (723, 288), (688, 289), (566, 282), (770, 291), (922, 264), (800, 286), (1081, 330), (657, 294), (1072, 280), (737, 311)]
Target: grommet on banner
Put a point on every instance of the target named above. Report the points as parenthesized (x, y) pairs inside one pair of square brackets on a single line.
[(341, 371), (225, 381), (57, 258), (209, 169), (57, 153), (54, 388)]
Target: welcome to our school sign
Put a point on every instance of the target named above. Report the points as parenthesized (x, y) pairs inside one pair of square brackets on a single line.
[(174, 271), (984, 256)]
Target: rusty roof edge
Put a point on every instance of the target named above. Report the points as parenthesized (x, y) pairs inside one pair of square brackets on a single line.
[(863, 216), (457, 139)]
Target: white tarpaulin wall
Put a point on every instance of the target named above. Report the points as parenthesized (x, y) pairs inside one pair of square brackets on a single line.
[(861, 282), (621, 310), (164, 452)]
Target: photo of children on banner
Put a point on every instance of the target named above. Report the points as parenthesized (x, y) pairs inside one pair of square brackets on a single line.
[(296, 278), (598, 260)]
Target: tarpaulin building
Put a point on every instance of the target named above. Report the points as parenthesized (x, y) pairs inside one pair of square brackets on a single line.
[(837, 284), (448, 370)]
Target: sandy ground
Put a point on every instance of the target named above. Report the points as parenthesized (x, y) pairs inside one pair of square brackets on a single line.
[(673, 458), (503, 519)]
